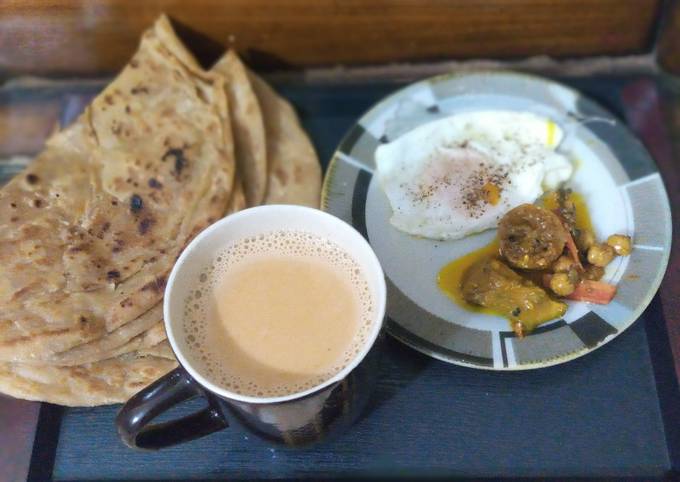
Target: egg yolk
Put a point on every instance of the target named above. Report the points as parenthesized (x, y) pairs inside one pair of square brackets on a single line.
[(551, 133), (492, 194)]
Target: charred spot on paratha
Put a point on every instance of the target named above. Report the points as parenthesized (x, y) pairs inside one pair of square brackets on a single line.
[(156, 285), (180, 160), (136, 203), (144, 225), (118, 245), (140, 89), (155, 184)]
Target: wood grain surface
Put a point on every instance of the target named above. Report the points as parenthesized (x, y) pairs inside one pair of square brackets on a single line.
[(77, 37), (668, 49)]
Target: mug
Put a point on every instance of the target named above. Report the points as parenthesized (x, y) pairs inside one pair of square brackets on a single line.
[(293, 420)]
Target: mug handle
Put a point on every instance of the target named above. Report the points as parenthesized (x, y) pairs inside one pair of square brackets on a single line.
[(133, 420)]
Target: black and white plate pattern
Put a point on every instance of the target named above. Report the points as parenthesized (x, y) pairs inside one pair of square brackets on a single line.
[(614, 172)]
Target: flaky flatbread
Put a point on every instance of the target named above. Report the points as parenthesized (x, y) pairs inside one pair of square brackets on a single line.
[(248, 127), (294, 173), (105, 382), (238, 197), (259, 114), (161, 349), (89, 232), (139, 333)]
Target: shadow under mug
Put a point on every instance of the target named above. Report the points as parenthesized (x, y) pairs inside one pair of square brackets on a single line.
[(295, 420)]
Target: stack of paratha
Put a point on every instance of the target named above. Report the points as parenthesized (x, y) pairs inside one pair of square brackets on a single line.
[(89, 233)]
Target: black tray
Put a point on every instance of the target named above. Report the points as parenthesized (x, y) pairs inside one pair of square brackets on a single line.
[(611, 413)]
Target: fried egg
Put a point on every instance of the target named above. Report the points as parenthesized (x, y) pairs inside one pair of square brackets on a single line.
[(459, 175)]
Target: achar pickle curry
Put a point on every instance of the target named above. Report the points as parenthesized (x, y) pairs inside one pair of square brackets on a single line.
[(543, 254)]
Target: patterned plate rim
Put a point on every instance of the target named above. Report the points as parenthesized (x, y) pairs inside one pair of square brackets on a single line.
[(438, 352)]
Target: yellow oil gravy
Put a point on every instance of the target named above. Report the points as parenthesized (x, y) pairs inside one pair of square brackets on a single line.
[(582, 216), (450, 277)]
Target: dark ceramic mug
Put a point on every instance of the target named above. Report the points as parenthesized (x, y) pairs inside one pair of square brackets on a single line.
[(294, 420)]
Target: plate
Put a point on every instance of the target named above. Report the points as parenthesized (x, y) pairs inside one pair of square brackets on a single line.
[(613, 171)]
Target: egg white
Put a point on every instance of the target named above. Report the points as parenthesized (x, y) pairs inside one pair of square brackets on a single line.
[(434, 175)]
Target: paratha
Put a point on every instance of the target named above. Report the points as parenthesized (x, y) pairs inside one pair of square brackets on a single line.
[(101, 383), (248, 127), (238, 197), (142, 332), (161, 350), (294, 172), (89, 232)]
